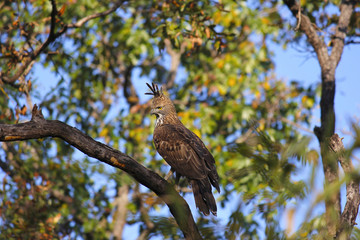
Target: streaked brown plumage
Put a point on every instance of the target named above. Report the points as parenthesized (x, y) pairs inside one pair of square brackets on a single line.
[(184, 151)]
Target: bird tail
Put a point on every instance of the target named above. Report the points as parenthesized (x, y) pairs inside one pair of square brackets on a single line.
[(214, 178), (204, 199)]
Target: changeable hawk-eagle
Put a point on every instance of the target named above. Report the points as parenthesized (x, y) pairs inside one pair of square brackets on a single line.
[(184, 151)]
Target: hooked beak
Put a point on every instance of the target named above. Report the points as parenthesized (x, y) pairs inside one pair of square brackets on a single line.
[(152, 112)]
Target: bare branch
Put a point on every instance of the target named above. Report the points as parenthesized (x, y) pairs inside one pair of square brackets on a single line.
[(352, 42), (296, 125), (38, 127), (310, 30), (95, 15), (346, 10), (121, 209), (299, 19)]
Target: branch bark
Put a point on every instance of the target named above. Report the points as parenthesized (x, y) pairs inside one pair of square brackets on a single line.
[(38, 127), (328, 63)]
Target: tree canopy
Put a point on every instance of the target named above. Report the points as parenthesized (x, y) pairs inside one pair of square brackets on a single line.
[(214, 60)]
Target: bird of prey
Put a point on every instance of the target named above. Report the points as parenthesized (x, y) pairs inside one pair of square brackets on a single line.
[(184, 151)]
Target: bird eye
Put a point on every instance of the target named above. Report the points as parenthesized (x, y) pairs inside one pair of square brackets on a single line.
[(159, 108)]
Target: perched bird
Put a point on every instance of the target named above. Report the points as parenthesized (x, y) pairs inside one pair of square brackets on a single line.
[(184, 151)]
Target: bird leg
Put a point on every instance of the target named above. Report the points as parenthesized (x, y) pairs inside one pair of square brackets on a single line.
[(169, 174)]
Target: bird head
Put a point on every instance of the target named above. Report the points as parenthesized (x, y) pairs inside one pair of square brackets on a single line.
[(161, 104)]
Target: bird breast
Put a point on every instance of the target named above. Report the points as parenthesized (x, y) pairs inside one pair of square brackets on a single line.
[(159, 120)]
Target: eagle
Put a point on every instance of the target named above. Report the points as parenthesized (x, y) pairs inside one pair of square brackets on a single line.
[(184, 151)]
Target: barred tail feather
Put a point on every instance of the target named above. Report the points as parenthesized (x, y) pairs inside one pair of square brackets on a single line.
[(204, 199)]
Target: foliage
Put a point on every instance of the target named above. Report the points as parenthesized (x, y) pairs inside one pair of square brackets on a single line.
[(225, 90)]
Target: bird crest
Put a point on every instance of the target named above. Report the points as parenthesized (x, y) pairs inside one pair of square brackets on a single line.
[(154, 90)]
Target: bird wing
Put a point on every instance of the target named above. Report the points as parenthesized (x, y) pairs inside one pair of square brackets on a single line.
[(182, 150)]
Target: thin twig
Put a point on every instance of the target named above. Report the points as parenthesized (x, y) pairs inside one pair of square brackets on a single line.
[(296, 125), (299, 19)]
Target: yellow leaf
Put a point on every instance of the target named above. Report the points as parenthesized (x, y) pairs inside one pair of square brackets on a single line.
[(307, 102), (231, 81), (265, 21), (57, 218), (217, 17), (150, 200), (218, 148), (222, 90), (261, 125), (220, 64), (241, 79), (294, 93), (257, 94), (254, 104), (104, 132), (229, 163), (267, 86), (243, 44), (197, 132), (303, 99), (310, 102)]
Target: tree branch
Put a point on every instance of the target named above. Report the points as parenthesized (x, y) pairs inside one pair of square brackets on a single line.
[(38, 127), (121, 208), (348, 216), (310, 31), (338, 41)]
